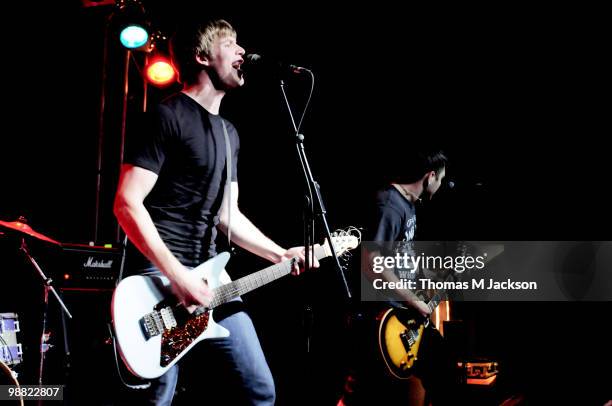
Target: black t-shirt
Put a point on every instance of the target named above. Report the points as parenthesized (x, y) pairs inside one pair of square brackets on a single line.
[(394, 227), (395, 218), (185, 145)]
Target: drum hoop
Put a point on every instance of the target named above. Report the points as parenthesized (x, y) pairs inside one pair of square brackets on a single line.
[(5, 369)]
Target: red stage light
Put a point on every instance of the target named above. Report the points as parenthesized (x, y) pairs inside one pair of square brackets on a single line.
[(160, 72)]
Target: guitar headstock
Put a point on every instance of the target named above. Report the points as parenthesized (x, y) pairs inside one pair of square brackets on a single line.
[(343, 240)]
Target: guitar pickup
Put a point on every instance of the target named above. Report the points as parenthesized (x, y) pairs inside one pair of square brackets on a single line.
[(168, 318), (407, 340), (156, 322)]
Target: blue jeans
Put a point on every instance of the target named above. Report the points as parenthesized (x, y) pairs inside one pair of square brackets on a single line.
[(233, 369)]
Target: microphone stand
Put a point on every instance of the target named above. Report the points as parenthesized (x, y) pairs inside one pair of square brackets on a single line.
[(313, 202)]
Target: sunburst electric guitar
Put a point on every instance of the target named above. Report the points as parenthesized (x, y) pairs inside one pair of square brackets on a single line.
[(153, 331), (400, 333)]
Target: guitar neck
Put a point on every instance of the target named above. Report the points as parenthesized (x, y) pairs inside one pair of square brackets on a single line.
[(229, 291)]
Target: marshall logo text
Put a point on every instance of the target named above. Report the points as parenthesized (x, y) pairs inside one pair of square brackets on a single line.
[(92, 263)]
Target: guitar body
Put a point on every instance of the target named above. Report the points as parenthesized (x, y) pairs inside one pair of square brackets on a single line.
[(137, 296), (399, 338)]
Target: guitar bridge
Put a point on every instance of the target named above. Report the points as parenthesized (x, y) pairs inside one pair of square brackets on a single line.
[(152, 324)]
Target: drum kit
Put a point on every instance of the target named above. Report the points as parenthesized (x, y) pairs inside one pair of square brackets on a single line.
[(11, 352)]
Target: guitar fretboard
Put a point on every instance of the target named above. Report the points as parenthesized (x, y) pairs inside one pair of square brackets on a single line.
[(227, 292)]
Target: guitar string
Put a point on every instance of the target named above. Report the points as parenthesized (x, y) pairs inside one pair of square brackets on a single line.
[(224, 294)]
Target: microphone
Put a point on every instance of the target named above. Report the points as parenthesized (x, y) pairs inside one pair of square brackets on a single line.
[(255, 60), (453, 185)]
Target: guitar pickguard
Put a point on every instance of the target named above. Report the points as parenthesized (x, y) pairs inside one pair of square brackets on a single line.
[(177, 339)]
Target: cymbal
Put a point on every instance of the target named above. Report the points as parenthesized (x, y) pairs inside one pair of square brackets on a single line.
[(23, 227)]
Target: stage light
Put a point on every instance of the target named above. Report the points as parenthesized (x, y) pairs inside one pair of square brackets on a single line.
[(96, 3), (160, 72), (132, 24), (133, 36)]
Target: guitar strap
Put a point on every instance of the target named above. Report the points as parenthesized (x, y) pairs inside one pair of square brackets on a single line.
[(228, 182)]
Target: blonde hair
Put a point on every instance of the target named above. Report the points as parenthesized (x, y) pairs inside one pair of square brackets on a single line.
[(210, 32), (193, 40)]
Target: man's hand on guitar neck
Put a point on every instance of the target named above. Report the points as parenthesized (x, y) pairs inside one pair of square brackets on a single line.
[(300, 253)]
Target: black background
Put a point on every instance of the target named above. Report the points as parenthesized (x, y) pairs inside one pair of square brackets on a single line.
[(516, 96)]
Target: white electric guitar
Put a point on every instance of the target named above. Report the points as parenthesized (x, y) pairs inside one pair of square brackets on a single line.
[(153, 332)]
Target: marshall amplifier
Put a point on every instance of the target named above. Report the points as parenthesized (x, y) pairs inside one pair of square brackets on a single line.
[(85, 267)]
